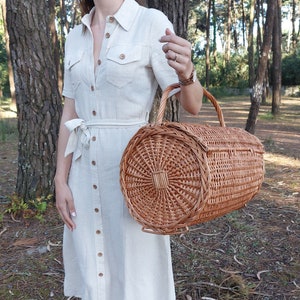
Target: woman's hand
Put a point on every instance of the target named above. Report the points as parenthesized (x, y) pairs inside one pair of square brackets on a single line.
[(178, 54), (65, 204)]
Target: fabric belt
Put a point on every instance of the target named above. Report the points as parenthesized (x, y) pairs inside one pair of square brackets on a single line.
[(80, 132)]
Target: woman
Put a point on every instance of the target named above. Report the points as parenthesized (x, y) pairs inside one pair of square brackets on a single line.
[(114, 62)]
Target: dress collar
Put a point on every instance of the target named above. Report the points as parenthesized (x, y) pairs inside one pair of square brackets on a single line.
[(125, 16)]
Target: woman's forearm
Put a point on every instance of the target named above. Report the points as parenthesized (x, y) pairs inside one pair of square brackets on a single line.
[(64, 163), (191, 96)]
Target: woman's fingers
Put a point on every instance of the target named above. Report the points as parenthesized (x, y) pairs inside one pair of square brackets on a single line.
[(176, 44), (65, 206), (178, 53), (66, 216)]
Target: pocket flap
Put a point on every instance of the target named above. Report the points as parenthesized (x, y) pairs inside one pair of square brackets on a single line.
[(73, 60), (124, 54)]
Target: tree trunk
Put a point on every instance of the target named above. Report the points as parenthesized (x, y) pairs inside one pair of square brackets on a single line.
[(177, 12), (38, 100), (257, 90), (54, 37), (276, 70), (9, 64), (207, 46), (234, 26), (214, 31), (260, 25), (294, 19), (251, 44), (244, 21), (228, 33)]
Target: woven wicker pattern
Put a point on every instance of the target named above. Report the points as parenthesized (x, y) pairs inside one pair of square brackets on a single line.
[(175, 175)]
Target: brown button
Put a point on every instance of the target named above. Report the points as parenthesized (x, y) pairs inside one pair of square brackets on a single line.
[(92, 88), (99, 62), (111, 19), (94, 113), (93, 163), (122, 56), (98, 231), (101, 274), (94, 138), (107, 35), (96, 211), (100, 254), (94, 186)]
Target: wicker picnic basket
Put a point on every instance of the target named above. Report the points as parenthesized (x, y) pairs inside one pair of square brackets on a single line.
[(175, 175)]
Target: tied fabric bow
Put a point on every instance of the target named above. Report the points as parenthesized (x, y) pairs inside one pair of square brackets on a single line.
[(78, 130)]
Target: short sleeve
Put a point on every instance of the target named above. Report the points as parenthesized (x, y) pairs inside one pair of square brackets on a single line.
[(164, 74), (67, 85)]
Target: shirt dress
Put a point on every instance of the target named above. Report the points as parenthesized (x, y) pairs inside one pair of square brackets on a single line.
[(107, 256)]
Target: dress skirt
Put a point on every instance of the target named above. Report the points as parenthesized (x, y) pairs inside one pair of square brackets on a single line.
[(108, 256)]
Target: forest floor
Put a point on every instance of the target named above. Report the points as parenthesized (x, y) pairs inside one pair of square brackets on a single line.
[(253, 253)]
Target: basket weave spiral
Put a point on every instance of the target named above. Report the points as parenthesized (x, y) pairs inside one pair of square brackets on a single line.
[(175, 175)]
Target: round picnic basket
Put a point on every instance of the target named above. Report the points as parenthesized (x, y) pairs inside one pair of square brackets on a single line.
[(175, 175)]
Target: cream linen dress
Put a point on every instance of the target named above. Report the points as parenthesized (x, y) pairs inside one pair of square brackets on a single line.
[(108, 257)]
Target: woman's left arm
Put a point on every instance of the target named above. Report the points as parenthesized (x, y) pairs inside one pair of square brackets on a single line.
[(178, 54)]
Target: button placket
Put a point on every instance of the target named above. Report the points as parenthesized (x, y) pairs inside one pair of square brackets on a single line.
[(108, 37), (110, 27), (97, 220)]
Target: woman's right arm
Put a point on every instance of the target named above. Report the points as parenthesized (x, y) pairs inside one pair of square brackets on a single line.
[(63, 194)]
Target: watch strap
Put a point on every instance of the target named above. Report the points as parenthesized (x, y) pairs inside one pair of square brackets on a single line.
[(189, 80)]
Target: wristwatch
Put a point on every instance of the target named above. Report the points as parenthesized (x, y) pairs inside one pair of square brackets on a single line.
[(190, 80)]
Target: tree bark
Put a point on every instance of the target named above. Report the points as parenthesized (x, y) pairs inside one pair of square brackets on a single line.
[(257, 90), (38, 99)]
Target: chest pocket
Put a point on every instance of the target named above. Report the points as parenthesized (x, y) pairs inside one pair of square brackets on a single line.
[(122, 64), (73, 66)]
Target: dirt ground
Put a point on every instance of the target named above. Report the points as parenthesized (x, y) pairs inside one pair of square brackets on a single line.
[(253, 253)]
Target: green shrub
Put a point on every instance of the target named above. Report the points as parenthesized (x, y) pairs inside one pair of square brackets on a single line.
[(234, 74), (7, 128), (290, 70)]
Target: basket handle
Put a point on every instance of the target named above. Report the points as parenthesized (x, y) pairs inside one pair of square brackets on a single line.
[(165, 96)]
